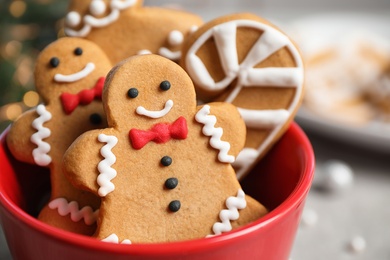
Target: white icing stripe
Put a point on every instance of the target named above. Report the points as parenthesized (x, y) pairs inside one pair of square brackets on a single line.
[(73, 19), (226, 215), (107, 173), (144, 52), (102, 22), (269, 43), (113, 238), (276, 77), (75, 76), (65, 208), (167, 53), (122, 4), (225, 38), (245, 157), (203, 116), (155, 114), (264, 119), (40, 154)]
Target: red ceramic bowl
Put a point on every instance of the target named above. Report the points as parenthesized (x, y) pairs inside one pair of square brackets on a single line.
[(281, 181)]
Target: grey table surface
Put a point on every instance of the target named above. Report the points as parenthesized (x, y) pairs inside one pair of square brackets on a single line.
[(362, 210)]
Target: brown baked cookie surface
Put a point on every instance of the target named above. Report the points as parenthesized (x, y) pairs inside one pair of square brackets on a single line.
[(162, 168), (244, 60), (126, 28), (69, 77)]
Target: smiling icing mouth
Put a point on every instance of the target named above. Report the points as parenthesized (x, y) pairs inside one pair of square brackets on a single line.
[(155, 114), (75, 76)]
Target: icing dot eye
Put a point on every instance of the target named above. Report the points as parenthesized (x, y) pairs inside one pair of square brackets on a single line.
[(132, 93), (165, 85), (175, 38), (54, 62), (72, 19), (78, 51), (97, 7), (95, 119)]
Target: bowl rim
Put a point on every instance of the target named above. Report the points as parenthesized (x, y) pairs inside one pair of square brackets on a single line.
[(296, 197)]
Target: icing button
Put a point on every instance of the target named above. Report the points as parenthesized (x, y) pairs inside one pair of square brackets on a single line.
[(171, 183), (95, 119), (166, 161), (174, 205)]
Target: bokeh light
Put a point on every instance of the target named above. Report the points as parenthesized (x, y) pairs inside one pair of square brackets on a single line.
[(17, 8), (31, 98)]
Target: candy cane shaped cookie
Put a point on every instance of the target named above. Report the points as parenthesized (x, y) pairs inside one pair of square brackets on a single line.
[(244, 60)]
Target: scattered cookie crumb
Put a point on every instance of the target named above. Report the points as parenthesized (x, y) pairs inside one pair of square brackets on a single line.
[(334, 176), (309, 218), (357, 245)]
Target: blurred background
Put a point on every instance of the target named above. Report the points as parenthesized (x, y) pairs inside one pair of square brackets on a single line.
[(347, 214)]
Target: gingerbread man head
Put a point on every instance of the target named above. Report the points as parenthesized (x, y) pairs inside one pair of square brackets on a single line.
[(125, 28), (70, 65), (149, 100)]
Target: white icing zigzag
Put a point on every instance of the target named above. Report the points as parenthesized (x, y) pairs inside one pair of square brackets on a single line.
[(40, 154), (64, 208), (203, 116), (113, 238), (226, 215), (97, 7), (107, 173)]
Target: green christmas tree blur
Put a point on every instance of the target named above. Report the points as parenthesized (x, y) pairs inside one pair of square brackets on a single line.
[(26, 27)]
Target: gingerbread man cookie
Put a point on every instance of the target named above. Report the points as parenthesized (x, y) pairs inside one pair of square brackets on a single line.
[(123, 28), (162, 168), (69, 76), (244, 60)]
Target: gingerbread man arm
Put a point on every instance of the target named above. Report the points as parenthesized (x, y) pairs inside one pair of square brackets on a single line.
[(20, 135), (87, 162), (229, 119)]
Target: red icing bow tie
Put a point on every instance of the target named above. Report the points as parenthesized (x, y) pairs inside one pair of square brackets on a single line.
[(84, 97), (159, 133)]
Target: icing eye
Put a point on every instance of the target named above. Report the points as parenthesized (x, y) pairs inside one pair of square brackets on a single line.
[(78, 51), (54, 62), (72, 19), (97, 7), (165, 85), (132, 93), (95, 119), (175, 38)]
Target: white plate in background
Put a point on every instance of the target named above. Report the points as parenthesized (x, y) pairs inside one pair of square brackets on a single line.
[(314, 32)]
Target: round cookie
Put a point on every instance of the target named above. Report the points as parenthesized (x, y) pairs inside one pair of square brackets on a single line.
[(125, 28), (244, 60), (162, 168), (69, 76)]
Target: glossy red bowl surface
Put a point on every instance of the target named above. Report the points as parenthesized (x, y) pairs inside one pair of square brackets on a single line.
[(281, 181)]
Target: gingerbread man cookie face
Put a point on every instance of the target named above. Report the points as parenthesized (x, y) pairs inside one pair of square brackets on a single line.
[(162, 168), (244, 60), (124, 28), (68, 65), (148, 100), (69, 76)]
